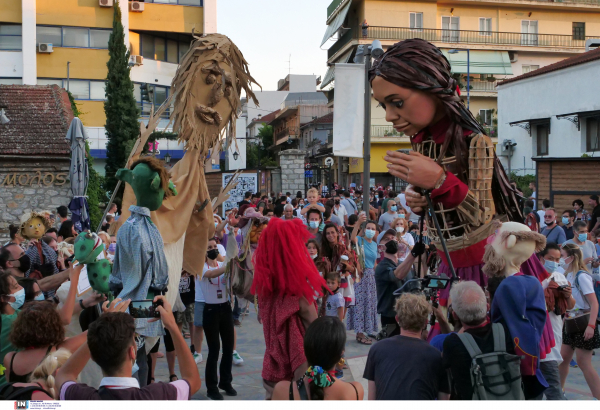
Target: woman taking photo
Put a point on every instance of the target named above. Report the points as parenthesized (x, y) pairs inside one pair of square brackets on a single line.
[(217, 323), (362, 318), (581, 343), (324, 344), (405, 239)]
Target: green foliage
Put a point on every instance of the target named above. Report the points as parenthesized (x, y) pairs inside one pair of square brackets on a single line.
[(122, 127), (267, 157), (523, 182), (74, 106)]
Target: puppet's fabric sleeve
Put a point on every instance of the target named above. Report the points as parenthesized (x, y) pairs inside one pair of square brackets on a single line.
[(452, 192), (519, 303)]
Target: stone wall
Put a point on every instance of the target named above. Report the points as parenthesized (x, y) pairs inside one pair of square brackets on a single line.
[(291, 162), (31, 184)]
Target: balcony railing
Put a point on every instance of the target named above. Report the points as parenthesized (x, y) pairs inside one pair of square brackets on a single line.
[(479, 85), (342, 41), (475, 37), (378, 131), (286, 131)]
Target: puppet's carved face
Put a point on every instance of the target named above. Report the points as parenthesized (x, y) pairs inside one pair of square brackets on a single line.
[(34, 228), (256, 231), (505, 252), (407, 109), (217, 87)]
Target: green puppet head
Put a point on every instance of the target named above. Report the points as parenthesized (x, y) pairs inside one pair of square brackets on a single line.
[(149, 181), (87, 247)]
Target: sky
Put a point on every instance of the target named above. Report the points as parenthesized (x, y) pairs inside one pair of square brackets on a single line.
[(268, 31)]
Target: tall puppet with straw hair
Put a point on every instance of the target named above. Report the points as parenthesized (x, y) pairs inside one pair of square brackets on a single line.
[(206, 89), (452, 158)]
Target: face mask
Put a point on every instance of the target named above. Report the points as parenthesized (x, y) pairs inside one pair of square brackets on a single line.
[(313, 224), (394, 208), (212, 254), (19, 299), (40, 297), (112, 247), (314, 256), (216, 223), (400, 229), (582, 237), (550, 266), (402, 216), (565, 220), (563, 262), (25, 263), (369, 233)]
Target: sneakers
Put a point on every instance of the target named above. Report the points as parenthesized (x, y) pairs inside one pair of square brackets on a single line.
[(237, 359), (214, 395), (229, 390), (573, 364), (237, 323), (198, 359)]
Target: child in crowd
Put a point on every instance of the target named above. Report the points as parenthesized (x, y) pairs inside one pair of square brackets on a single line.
[(313, 202), (333, 305)]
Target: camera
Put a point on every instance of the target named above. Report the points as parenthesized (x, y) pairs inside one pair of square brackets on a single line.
[(145, 309)]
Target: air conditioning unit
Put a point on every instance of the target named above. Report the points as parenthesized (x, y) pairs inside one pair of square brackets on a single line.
[(136, 6), (513, 56), (136, 60), (105, 3), (45, 48)]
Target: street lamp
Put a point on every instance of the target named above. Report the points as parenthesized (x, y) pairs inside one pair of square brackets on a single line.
[(236, 155), (167, 158), (456, 51)]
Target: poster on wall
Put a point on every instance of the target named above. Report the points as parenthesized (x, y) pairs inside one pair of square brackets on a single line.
[(245, 182)]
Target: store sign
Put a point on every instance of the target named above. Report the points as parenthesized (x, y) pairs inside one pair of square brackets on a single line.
[(33, 179)]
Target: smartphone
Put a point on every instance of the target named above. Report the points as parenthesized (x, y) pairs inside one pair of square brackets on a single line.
[(144, 309)]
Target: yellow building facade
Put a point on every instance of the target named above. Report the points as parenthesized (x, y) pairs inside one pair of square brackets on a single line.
[(66, 42), (505, 38)]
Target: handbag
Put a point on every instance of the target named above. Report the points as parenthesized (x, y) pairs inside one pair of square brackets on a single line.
[(579, 321)]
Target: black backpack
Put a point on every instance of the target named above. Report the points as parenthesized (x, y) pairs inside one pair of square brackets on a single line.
[(11, 392)]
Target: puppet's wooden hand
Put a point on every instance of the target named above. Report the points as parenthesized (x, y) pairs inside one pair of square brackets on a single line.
[(414, 168)]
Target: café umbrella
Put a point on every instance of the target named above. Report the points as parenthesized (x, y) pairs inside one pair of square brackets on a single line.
[(79, 176)]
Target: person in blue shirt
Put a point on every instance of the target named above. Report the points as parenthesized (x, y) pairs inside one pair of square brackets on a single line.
[(552, 231)]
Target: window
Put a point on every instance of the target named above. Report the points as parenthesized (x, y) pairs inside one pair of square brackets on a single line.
[(11, 81), (416, 21), (529, 31), (172, 51), (486, 116), (529, 68), (485, 26), (81, 89), (183, 48), (80, 37), (450, 29), (76, 37), (10, 37), (161, 49), (542, 139), (578, 31), (592, 134), (161, 93)]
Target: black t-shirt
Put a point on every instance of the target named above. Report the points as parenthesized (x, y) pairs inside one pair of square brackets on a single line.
[(187, 289), (595, 216), (458, 361), (406, 368), (243, 202), (386, 283)]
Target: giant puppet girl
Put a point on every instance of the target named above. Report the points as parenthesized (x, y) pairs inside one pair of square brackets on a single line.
[(452, 157)]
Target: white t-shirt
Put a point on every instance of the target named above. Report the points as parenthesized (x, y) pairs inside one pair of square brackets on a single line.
[(214, 287), (403, 250), (221, 249), (199, 295), (555, 320), (334, 302), (340, 212), (541, 215), (534, 197), (413, 218), (586, 285)]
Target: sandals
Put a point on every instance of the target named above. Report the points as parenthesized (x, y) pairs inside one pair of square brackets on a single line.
[(364, 340), (186, 336), (173, 378)]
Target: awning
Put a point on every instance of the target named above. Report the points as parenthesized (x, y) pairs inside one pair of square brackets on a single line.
[(576, 117), (527, 124), (480, 62), (336, 23), (330, 74)]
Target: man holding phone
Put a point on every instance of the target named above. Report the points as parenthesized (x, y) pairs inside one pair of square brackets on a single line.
[(112, 345)]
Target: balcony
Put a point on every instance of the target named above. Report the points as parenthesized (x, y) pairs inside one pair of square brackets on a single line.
[(284, 134), (342, 41), (379, 131), (480, 86), (475, 37)]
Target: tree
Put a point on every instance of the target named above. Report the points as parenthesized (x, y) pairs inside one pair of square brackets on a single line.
[(122, 127), (267, 157)]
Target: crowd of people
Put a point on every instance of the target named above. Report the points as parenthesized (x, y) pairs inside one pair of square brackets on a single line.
[(363, 256)]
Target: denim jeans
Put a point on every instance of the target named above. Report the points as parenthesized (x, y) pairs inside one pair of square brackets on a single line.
[(550, 371)]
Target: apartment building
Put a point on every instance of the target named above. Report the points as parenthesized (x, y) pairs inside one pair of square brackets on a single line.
[(66, 43), (504, 38)]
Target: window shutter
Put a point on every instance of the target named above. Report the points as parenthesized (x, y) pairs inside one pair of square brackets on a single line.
[(412, 20)]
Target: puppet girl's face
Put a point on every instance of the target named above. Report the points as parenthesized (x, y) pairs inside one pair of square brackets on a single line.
[(407, 109), (34, 228)]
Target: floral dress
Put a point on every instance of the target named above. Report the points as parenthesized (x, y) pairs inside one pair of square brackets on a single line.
[(362, 317)]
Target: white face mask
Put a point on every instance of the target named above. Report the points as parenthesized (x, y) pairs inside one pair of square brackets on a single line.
[(314, 256), (400, 229)]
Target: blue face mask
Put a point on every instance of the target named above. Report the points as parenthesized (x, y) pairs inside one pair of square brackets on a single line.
[(394, 208), (313, 224), (582, 237), (550, 266), (40, 297), (565, 220), (19, 299), (401, 215), (369, 233), (112, 247)]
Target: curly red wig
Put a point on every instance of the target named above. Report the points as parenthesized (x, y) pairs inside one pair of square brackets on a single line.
[(282, 263)]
